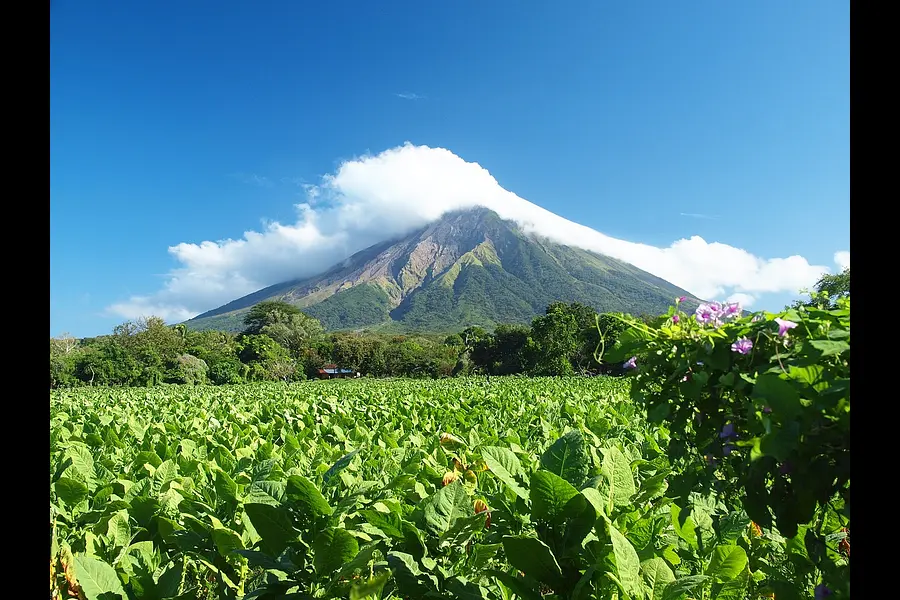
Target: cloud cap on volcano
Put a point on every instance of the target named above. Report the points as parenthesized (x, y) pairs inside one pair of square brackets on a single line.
[(377, 197)]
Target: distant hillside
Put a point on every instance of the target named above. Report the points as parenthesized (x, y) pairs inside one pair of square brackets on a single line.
[(469, 268)]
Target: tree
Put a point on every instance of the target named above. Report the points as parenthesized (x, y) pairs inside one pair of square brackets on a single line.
[(828, 290), (267, 313), (190, 369), (266, 359), (293, 331), (62, 362), (553, 342), (218, 350)]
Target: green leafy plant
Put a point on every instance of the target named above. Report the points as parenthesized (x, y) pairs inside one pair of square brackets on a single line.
[(759, 410)]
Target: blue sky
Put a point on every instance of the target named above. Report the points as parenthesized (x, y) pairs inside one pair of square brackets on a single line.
[(174, 126)]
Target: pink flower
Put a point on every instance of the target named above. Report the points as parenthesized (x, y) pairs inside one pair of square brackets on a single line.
[(742, 346), (676, 318), (784, 326)]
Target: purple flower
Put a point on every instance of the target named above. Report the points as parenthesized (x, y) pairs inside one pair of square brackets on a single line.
[(822, 592), (727, 431), (784, 326), (732, 310), (676, 318), (631, 363), (767, 409), (727, 449), (681, 299), (706, 314), (742, 346)]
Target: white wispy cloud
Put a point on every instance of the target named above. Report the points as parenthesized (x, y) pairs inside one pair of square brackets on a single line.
[(409, 96), (378, 197), (699, 216), (254, 179)]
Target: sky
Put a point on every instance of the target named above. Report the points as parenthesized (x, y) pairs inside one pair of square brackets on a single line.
[(200, 151)]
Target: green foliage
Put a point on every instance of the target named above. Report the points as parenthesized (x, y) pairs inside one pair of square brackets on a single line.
[(190, 369), (359, 306), (768, 425), (553, 341), (345, 489), (266, 359), (828, 291), (266, 313)]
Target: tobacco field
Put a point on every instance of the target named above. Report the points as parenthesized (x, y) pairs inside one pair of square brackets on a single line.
[(456, 488)]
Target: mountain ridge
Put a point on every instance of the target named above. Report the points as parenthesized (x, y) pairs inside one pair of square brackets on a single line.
[(470, 267)]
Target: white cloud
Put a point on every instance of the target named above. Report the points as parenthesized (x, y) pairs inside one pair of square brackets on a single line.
[(842, 259), (745, 300), (409, 96), (374, 198)]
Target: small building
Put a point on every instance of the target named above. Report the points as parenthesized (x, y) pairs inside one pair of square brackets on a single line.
[(334, 372)]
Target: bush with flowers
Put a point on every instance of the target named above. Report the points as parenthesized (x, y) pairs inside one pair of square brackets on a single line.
[(758, 409)]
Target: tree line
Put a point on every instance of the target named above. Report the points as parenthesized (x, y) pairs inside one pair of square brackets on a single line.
[(281, 343)]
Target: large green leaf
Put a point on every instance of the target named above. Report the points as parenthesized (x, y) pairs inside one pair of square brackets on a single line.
[(118, 529), (71, 491), (733, 589), (273, 524), (830, 348), (446, 506), (225, 486), (339, 466), (579, 517), (503, 463), (684, 525), (726, 562), (407, 575), (534, 558), (617, 470), (779, 394), (657, 576), (169, 581), (309, 501), (82, 467), (568, 458), (226, 540), (463, 529), (266, 492), (332, 548), (549, 495), (97, 579), (732, 526), (389, 522), (627, 562)]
